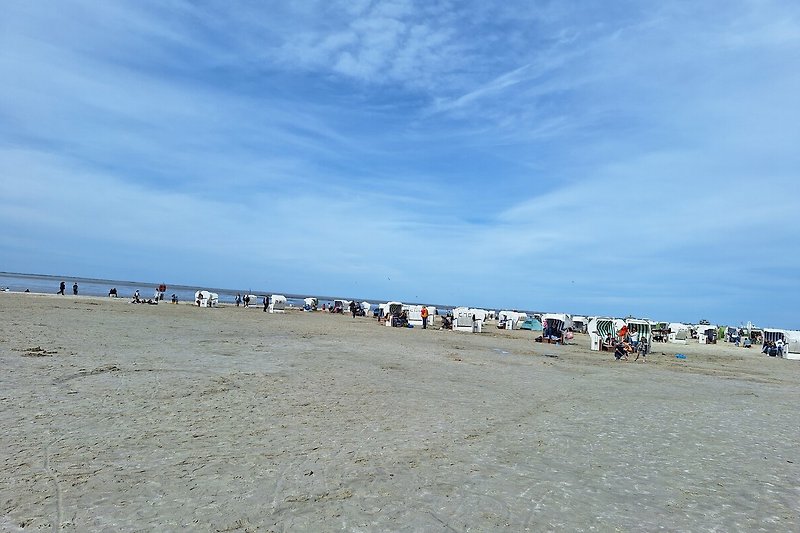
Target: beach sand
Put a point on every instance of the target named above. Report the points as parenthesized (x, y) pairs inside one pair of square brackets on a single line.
[(121, 417)]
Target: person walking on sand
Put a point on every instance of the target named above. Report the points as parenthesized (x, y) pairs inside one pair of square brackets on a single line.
[(266, 302), (424, 315), (75, 288), (238, 299), (61, 288)]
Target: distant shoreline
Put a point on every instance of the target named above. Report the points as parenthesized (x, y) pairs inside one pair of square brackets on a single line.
[(145, 285)]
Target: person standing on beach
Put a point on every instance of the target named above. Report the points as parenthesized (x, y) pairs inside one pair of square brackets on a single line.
[(75, 288), (61, 288), (266, 302), (238, 299), (424, 315), (634, 338), (641, 350)]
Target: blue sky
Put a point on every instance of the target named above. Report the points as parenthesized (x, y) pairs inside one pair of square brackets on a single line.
[(607, 158)]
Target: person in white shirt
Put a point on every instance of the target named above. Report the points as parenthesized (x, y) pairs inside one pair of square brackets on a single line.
[(634, 335)]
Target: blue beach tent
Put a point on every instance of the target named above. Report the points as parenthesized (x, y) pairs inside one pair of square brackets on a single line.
[(531, 324)]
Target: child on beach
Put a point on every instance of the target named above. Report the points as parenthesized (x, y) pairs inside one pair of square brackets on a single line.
[(620, 352), (641, 350)]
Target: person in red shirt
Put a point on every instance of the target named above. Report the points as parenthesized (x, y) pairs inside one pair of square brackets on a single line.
[(424, 314)]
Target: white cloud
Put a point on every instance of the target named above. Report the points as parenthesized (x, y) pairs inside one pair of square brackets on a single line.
[(561, 156)]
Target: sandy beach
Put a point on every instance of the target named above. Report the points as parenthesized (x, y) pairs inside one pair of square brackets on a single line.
[(121, 417)]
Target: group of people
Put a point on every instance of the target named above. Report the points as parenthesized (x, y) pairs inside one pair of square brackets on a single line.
[(113, 293), (735, 336), (622, 349), (63, 287), (242, 300), (773, 348), (137, 299), (447, 321), (356, 309), (628, 341), (246, 299), (551, 333), (399, 319), (158, 295)]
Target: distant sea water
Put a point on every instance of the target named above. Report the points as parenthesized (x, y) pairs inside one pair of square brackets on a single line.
[(99, 287), (125, 289)]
